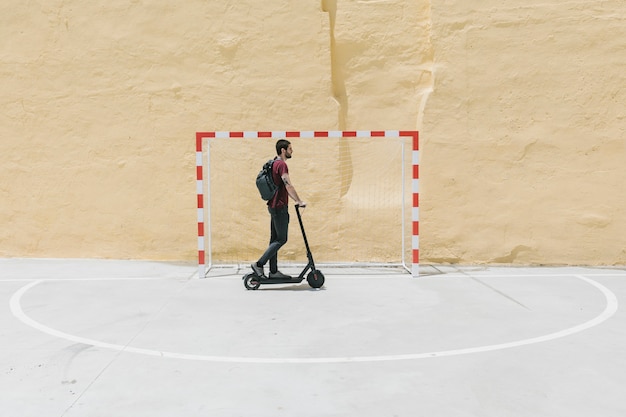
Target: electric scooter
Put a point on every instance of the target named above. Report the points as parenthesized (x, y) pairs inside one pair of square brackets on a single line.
[(315, 278)]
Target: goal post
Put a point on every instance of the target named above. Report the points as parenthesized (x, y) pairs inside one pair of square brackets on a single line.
[(362, 188)]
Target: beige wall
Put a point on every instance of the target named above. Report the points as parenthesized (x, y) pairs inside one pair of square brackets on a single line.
[(525, 156), (520, 108)]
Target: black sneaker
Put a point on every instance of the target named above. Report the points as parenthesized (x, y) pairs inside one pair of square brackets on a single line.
[(258, 270), (279, 275)]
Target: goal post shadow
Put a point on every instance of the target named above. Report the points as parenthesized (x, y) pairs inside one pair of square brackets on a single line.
[(203, 185)]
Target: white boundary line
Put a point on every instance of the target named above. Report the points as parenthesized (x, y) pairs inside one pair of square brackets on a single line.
[(91, 279), (609, 310)]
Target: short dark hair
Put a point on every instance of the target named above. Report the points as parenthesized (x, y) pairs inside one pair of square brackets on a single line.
[(282, 144)]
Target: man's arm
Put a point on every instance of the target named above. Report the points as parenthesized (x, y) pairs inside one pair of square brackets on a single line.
[(291, 190)]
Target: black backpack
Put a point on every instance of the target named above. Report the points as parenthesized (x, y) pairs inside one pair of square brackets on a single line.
[(265, 181)]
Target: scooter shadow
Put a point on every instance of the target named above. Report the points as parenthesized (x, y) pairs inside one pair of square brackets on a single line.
[(287, 287)]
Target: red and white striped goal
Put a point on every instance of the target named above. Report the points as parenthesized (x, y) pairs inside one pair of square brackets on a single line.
[(204, 258)]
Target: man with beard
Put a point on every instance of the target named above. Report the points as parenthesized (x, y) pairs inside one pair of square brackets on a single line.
[(278, 209)]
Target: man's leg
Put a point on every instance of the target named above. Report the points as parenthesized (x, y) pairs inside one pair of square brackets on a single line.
[(279, 234), (280, 227)]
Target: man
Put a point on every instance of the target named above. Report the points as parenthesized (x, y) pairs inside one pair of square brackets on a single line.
[(277, 207)]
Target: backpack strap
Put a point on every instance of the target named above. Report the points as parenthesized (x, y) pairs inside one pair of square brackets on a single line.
[(272, 201)]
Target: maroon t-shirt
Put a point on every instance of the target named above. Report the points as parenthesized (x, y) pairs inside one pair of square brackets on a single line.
[(281, 198)]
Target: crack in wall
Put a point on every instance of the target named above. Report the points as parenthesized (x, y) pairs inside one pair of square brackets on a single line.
[(425, 79), (421, 81), (338, 81), (428, 70), (340, 96)]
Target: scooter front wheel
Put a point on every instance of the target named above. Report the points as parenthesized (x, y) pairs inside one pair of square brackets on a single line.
[(251, 282), (315, 278)]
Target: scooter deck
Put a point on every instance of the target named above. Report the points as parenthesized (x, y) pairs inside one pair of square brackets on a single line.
[(293, 280)]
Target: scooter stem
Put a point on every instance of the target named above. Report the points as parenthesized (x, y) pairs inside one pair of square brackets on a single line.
[(306, 241)]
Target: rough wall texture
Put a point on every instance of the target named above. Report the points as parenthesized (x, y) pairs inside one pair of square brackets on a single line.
[(525, 128), (520, 108)]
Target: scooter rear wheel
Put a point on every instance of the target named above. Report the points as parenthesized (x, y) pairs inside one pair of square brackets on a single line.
[(315, 278), (251, 282)]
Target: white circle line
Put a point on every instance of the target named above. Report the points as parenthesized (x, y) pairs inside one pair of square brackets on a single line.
[(609, 310)]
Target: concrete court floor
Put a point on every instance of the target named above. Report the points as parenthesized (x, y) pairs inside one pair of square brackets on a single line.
[(121, 338)]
